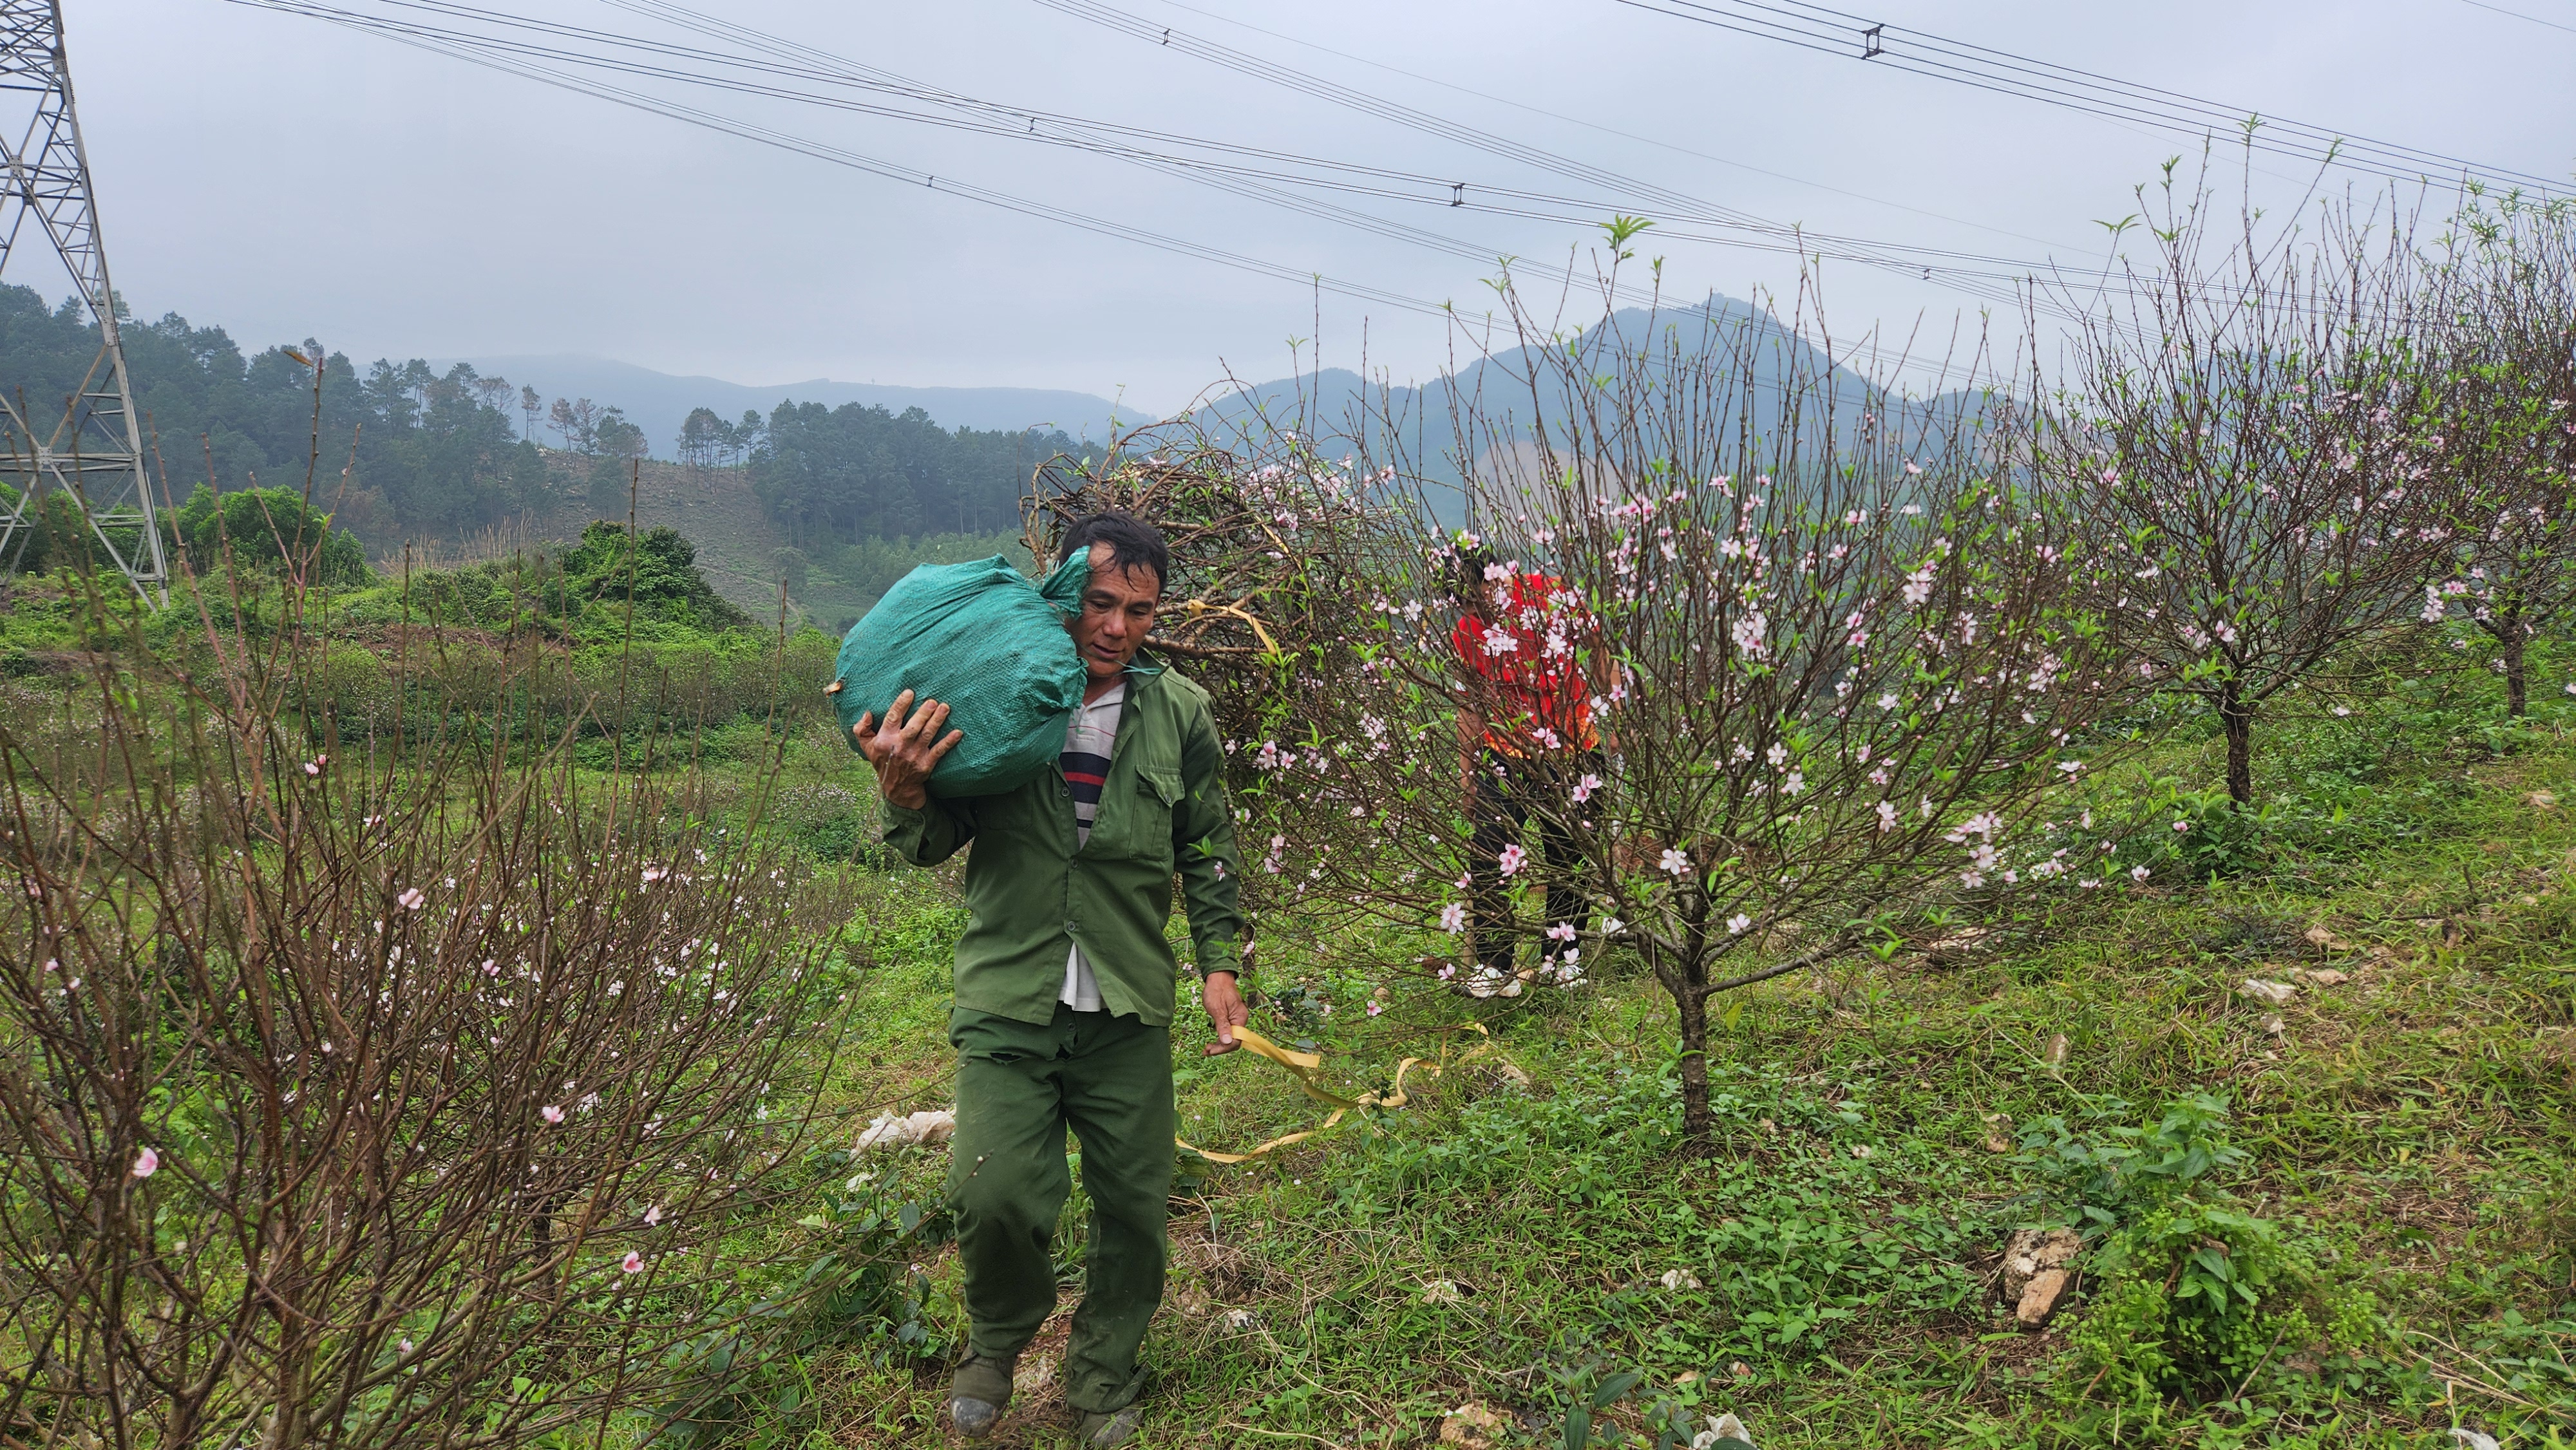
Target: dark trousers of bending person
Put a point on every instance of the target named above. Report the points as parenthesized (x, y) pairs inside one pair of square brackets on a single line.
[(1512, 794)]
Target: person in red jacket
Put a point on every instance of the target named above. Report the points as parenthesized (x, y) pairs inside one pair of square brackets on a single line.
[(1529, 750)]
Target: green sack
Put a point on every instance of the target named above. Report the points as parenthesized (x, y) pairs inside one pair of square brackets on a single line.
[(983, 640)]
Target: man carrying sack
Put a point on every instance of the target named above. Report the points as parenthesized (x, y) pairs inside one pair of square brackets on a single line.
[(1066, 987)]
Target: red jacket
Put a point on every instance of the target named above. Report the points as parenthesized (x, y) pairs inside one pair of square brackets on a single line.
[(1529, 654)]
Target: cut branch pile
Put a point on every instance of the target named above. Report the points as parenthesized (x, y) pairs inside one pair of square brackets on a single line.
[(1273, 557)]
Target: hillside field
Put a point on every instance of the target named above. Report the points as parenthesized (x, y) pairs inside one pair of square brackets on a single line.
[(2324, 1052), (1527, 1227), (742, 550)]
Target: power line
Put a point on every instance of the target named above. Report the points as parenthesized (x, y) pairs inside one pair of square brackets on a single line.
[(1997, 285), (2518, 15), (1650, 196), (1994, 279), (1836, 32), (1659, 142), (857, 161), (1671, 206), (2005, 282), (1999, 281), (499, 57)]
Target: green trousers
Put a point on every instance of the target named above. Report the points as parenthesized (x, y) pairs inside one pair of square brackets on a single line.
[(1019, 1087)]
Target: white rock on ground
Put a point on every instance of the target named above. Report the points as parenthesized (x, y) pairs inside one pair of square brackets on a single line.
[(1958, 946), (2039, 1298), (2030, 1252), (931, 1126), (2035, 1273), (2270, 993)]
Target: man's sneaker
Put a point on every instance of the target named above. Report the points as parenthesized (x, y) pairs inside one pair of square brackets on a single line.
[(979, 1393), (1102, 1431)]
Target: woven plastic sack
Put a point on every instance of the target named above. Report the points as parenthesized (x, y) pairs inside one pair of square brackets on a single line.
[(985, 641)]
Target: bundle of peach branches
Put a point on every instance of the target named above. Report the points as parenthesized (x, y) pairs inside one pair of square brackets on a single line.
[(1276, 553)]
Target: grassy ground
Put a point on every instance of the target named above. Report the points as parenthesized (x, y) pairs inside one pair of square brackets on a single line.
[(1530, 1226)]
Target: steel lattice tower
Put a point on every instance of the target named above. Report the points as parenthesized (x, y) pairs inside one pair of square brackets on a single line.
[(94, 450)]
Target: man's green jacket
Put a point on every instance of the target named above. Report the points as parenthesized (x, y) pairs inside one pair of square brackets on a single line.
[(1032, 892)]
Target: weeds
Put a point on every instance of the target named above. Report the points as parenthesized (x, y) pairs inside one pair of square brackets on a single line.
[(369, 1086)]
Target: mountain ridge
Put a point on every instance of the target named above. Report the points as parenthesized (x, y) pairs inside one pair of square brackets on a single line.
[(658, 402)]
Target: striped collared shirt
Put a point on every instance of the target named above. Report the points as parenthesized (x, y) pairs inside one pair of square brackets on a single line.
[(1087, 743)]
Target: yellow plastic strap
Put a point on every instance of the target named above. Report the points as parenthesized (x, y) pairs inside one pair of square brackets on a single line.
[(1197, 607), (1304, 1066)]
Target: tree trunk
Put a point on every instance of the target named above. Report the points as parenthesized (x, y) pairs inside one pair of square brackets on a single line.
[(2238, 717), (1698, 1124), (2517, 683)]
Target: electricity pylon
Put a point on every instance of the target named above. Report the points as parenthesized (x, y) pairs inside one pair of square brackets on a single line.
[(94, 452)]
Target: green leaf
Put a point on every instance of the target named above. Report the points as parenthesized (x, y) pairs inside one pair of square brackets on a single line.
[(1615, 1386)]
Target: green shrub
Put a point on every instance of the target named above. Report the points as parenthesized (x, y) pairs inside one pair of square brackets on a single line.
[(2193, 1294), (860, 1291), (353, 687), (270, 528), (2202, 1299), (831, 821), (657, 570), (2198, 835), (2096, 1177)]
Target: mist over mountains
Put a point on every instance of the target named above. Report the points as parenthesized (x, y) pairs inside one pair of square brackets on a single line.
[(657, 402), (1785, 383)]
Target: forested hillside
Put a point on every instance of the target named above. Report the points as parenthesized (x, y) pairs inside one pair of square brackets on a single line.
[(433, 453), (856, 472), (446, 456)]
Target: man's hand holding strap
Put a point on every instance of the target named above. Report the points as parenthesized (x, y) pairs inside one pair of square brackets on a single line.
[(1226, 1012)]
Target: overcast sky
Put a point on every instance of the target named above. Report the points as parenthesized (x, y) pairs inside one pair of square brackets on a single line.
[(286, 178)]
